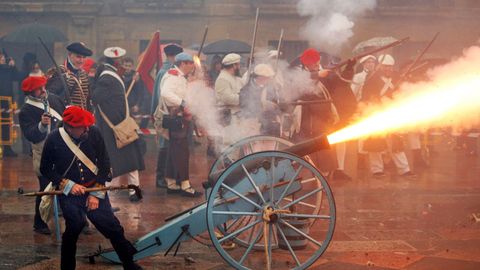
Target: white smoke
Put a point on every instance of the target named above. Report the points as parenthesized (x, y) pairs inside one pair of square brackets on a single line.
[(292, 83), (201, 102), (331, 21)]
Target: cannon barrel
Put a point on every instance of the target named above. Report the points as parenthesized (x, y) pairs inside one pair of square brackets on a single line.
[(301, 149), (309, 146)]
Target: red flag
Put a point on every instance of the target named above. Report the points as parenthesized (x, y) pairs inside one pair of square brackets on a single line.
[(151, 62)]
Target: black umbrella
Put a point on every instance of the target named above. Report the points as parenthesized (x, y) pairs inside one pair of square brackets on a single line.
[(226, 46), (28, 33)]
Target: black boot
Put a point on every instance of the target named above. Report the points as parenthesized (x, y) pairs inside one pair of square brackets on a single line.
[(161, 167)]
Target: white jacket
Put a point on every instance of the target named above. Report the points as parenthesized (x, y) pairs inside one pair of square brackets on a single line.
[(358, 81), (227, 89), (174, 88)]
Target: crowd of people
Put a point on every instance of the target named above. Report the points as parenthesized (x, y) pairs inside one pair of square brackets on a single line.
[(73, 117)]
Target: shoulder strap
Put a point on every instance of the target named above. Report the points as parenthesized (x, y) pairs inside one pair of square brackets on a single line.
[(42, 106), (115, 75), (77, 152), (127, 114)]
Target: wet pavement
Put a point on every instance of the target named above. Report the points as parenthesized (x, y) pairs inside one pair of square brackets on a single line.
[(387, 223)]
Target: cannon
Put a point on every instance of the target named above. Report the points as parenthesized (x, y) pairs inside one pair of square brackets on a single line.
[(266, 197)]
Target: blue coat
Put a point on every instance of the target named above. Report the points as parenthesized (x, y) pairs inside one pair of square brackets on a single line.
[(56, 159)]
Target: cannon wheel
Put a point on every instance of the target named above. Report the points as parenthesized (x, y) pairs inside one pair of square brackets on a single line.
[(245, 147), (271, 217)]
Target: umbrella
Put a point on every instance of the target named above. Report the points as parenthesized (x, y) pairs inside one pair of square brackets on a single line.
[(373, 42), (226, 46), (28, 33)]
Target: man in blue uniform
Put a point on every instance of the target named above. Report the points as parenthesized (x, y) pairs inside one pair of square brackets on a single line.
[(75, 158), (39, 115)]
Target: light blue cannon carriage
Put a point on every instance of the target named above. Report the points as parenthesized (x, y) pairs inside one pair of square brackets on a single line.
[(264, 196)]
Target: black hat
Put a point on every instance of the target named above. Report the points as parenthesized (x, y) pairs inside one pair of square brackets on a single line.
[(172, 49), (79, 48)]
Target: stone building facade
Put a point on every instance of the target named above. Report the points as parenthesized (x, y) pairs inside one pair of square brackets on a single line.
[(130, 23)]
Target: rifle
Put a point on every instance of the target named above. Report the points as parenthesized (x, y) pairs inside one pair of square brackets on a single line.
[(137, 190), (311, 102), (58, 71), (254, 39), (419, 56), (200, 49), (393, 44), (279, 46), (45, 111), (203, 41)]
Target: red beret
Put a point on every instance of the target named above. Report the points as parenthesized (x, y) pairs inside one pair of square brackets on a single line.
[(77, 117), (33, 82), (310, 56)]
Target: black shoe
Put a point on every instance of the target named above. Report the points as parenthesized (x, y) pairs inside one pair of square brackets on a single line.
[(341, 175), (45, 231), (379, 174), (190, 192), (132, 266), (173, 191), (134, 198), (409, 174)]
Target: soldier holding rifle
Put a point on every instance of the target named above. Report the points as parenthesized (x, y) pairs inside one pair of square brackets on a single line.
[(75, 158)]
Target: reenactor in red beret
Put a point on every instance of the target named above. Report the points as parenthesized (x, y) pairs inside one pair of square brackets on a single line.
[(39, 115), (331, 84), (75, 158)]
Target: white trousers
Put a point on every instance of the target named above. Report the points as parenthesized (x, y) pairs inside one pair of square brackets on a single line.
[(132, 177), (341, 149), (399, 159)]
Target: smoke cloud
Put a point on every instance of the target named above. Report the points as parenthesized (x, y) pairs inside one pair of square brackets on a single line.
[(331, 21), (450, 97), (292, 85)]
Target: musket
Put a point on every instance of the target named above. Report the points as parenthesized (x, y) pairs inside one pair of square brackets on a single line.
[(45, 111), (135, 188), (393, 44), (58, 71), (311, 102), (200, 49), (419, 56), (279, 46), (254, 39)]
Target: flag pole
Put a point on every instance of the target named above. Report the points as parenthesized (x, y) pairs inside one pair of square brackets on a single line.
[(130, 87)]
